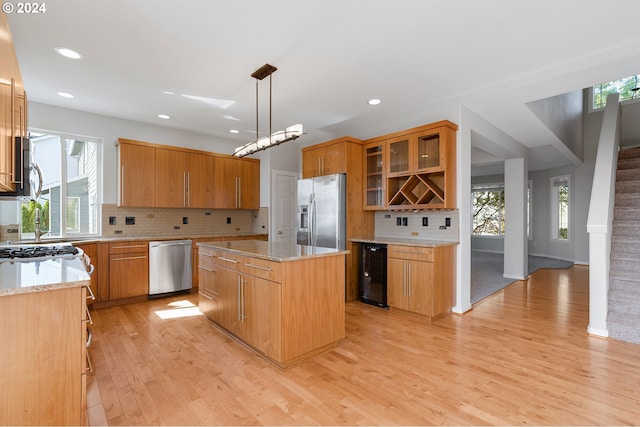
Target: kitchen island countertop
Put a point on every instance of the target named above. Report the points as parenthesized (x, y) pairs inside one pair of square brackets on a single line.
[(272, 251)]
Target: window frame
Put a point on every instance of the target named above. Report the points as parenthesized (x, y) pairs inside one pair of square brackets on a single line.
[(592, 109), (487, 187), (63, 136), (554, 203)]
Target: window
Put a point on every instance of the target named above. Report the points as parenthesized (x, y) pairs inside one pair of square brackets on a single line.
[(488, 209), (628, 88), (70, 200), (560, 207)]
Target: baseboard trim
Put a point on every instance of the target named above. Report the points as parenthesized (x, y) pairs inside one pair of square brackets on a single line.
[(509, 276), (600, 333)]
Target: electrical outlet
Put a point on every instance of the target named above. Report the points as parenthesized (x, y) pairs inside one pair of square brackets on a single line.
[(185, 220), (112, 220), (425, 221), (398, 221), (405, 221), (228, 220), (130, 220), (447, 222)]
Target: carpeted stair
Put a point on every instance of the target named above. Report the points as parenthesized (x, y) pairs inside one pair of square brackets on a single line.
[(623, 320)]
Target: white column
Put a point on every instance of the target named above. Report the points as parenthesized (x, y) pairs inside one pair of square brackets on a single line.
[(515, 239), (463, 255)]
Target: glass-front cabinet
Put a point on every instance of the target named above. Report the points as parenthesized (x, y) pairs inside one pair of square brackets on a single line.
[(374, 194), (419, 168)]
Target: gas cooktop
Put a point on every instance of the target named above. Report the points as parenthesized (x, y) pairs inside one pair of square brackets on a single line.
[(38, 251)]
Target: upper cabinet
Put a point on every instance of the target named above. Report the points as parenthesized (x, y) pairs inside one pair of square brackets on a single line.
[(236, 183), (183, 179), (153, 175), (419, 168), (13, 108), (136, 174), (319, 160)]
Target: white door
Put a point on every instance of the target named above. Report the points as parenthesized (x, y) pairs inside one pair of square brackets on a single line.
[(283, 202)]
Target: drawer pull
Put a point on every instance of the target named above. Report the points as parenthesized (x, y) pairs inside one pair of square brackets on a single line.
[(206, 296), (89, 319), (259, 267), (89, 367), (129, 247), (131, 257), (228, 260), (206, 254), (205, 268)]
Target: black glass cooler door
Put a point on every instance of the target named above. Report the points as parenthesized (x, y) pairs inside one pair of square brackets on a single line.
[(373, 275)]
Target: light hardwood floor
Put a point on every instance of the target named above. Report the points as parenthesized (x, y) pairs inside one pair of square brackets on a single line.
[(521, 356)]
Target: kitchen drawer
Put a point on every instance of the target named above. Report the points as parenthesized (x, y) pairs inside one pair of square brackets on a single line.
[(206, 257), (129, 247), (262, 268), (256, 267), (414, 253)]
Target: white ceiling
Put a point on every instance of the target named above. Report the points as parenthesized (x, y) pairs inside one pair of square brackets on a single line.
[(424, 58)]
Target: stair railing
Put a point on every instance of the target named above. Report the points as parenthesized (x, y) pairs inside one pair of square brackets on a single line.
[(600, 219)]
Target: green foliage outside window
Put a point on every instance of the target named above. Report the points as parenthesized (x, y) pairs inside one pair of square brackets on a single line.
[(29, 216), (626, 87)]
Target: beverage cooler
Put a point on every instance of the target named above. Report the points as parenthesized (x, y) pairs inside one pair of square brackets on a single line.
[(373, 275)]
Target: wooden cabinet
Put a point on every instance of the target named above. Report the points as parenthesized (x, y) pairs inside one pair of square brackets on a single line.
[(236, 183), (287, 311), (128, 269), (13, 108), (183, 179), (420, 279), (43, 368), (344, 155), (322, 159), (153, 175), (374, 177), (419, 168), (136, 174)]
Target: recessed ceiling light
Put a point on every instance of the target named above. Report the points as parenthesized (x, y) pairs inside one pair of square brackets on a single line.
[(164, 116), (66, 95), (68, 53), (168, 92), (234, 131), (374, 101)]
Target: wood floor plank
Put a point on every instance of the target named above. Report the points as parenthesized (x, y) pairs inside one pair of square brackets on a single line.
[(521, 356)]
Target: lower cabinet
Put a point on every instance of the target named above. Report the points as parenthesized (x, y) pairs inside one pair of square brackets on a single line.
[(420, 279), (128, 269)]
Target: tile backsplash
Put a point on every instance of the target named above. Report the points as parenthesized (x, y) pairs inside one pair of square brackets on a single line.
[(132, 222), (411, 225)]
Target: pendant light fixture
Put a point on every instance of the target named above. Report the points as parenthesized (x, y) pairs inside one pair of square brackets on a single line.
[(274, 138)]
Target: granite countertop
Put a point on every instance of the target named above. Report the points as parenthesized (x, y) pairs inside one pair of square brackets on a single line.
[(43, 275), (405, 242), (272, 251)]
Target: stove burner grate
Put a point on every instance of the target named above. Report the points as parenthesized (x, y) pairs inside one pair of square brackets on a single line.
[(37, 251)]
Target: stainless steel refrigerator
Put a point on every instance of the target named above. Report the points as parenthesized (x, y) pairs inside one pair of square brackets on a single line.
[(322, 211)]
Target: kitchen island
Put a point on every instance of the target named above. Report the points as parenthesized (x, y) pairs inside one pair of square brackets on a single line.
[(284, 301)]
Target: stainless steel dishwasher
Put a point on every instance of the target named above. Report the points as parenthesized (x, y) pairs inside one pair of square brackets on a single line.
[(169, 266)]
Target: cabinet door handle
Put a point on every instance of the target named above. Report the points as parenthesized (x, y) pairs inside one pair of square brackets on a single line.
[(258, 267), (131, 257), (242, 285), (404, 278), (122, 185), (239, 297), (228, 260), (409, 279), (206, 254), (184, 189), (89, 367), (236, 205), (189, 189)]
